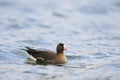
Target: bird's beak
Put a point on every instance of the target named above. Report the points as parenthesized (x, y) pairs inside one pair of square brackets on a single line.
[(65, 49)]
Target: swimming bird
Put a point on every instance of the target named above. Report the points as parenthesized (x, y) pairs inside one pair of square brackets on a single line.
[(47, 56)]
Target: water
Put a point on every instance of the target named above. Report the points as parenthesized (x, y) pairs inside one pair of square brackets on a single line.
[(89, 28)]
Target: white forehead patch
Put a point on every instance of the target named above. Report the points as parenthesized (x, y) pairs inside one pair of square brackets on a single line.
[(64, 46)]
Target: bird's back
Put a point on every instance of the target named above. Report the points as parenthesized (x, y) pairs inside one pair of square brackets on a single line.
[(45, 54)]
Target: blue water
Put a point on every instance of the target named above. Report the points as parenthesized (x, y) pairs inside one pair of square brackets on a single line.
[(89, 28)]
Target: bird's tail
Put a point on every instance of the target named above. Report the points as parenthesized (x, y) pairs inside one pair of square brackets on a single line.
[(27, 49)]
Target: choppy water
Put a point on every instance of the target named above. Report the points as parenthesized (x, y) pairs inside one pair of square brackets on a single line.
[(89, 28)]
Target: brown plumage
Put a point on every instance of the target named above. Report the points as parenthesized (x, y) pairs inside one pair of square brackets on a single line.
[(48, 57)]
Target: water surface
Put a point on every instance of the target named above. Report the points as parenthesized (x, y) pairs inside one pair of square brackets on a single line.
[(89, 29)]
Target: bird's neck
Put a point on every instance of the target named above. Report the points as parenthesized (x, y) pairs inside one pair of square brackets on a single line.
[(59, 51), (60, 54)]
